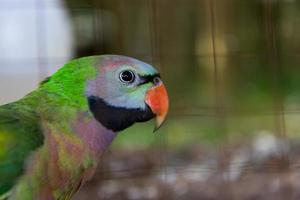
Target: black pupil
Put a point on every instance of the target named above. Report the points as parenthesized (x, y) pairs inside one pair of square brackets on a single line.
[(127, 76)]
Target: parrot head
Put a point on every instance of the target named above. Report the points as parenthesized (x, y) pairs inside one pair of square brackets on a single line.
[(126, 91)]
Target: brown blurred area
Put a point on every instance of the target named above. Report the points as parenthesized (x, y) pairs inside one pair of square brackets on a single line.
[(232, 72)]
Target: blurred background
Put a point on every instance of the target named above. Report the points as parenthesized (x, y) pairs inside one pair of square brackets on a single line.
[(232, 71)]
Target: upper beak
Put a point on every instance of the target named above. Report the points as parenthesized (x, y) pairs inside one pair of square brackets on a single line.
[(157, 99)]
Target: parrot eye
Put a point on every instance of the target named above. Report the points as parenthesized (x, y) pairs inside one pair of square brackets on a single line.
[(127, 76)]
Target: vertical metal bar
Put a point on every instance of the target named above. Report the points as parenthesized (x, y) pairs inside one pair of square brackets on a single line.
[(154, 32), (224, 189), (98, 26), (98, 48), (275, 70), (41, 31), (153, 15), (124, 15), (273, 61)]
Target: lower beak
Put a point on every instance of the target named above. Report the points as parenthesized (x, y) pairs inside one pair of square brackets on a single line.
[(157, 99)]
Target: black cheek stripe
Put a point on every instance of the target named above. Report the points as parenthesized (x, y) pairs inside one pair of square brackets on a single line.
[(117, 118)]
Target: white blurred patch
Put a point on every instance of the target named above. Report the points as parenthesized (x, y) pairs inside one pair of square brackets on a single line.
[(263, 147), (266, 145), (35, 39)]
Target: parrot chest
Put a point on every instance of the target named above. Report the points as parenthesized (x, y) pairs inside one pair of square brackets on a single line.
[(75, 156), (70, 165), (58, 170), (66, 161)]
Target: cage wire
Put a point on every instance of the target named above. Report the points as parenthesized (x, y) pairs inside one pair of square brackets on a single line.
[(156, 54)]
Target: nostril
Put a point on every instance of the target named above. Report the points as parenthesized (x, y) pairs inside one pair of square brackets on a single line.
[(156, 80)]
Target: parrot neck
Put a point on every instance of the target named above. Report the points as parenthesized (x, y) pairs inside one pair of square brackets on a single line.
[(96, 137)]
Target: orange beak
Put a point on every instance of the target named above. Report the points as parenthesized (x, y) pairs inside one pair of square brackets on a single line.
[(157, 99)]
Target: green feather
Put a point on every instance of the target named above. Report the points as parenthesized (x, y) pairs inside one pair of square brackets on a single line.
[(68, 83), (19, 135), (57, 98)]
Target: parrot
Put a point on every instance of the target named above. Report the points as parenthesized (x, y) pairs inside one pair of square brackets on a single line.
[(52, 139)]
